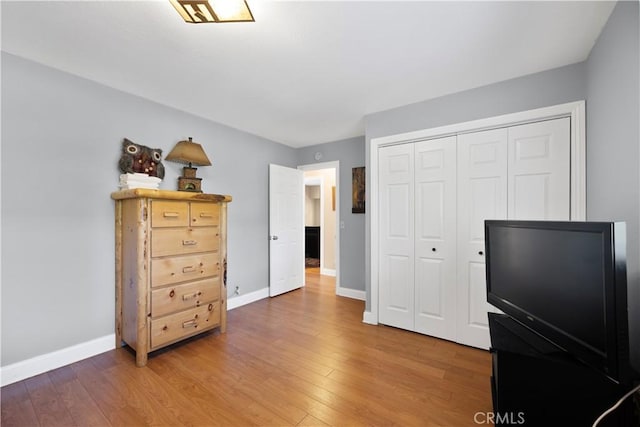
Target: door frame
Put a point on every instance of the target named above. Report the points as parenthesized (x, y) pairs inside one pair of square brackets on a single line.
[(335, 165), (574, 110)]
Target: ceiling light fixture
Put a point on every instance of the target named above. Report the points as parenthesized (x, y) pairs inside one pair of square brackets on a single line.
[(212, 11)]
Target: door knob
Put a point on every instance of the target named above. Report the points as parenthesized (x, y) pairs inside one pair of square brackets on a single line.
[(273, 237)]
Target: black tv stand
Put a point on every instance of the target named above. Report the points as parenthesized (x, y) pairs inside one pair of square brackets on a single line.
[(535, 383)]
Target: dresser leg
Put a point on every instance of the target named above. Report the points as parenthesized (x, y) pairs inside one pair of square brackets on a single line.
[(141, 359)]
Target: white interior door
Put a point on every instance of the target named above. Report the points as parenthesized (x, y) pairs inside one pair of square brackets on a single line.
[(539, 173), (396, 207), (482, 194), (286, 229), (435, 237)]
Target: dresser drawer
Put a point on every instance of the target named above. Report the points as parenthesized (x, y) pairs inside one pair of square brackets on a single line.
[(174, 327), (181, 297), (205, 214), (165, 271), (167, 241), (169, 213)]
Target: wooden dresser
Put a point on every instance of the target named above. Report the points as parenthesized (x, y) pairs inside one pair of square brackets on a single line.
[(170, 267)]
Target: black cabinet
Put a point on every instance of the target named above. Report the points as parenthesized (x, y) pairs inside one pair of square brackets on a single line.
[(535, 383), (312, 242)]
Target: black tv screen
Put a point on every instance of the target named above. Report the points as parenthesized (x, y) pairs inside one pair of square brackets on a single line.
[(567, 282)]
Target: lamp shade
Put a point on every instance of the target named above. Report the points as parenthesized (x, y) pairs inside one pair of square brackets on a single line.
[(188, 152), (201, 11)]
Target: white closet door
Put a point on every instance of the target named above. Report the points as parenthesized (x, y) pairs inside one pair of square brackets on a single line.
[(482, 194), (396, 274), (435, 237), (539, 181)]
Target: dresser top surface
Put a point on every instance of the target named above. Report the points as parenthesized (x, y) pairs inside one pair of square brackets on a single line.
[(137, 193)]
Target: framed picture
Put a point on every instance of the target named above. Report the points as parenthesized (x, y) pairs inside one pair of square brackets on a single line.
[(333, 198), (357, 190)]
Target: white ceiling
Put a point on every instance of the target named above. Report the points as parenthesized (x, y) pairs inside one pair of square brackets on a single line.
[(306, 72)]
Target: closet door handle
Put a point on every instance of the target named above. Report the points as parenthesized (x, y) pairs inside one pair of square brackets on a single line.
[(480, 253)]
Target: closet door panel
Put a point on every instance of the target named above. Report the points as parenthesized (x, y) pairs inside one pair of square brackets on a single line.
[(482, 194), (396, 274), (435, 237), (539, 180)]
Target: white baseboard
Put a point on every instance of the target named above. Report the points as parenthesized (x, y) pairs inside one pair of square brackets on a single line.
[(37, 365), (368, 317), (328, 272), (244, 299), (351, 293)]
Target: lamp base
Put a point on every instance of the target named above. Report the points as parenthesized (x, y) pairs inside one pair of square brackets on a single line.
[(189, 172), (190, 184)]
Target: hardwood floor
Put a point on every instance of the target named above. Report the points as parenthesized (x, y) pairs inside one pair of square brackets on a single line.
[(304, 358)]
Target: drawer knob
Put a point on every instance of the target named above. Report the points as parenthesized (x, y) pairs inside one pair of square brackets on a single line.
[(170, 214), (210, 307), (189, 242), (188, 269), (172, 293)]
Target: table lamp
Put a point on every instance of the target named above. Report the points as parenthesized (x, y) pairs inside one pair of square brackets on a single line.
[(189, 153)]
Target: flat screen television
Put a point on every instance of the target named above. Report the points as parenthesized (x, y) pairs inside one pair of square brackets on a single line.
[(567, 282)]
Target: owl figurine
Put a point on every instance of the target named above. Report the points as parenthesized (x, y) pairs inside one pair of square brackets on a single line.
[(137, 158)]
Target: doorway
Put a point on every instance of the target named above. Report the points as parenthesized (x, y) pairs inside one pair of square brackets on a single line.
[(321, 216)]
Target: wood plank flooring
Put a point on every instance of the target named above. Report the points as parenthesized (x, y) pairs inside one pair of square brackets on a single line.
[(301, 359)]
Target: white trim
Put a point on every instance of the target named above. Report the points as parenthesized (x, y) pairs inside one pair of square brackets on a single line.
[(245, 299), (336, 166), (327, 272), (37, 365), (351, 293), (578, 163), (367, 317), (575, 110)]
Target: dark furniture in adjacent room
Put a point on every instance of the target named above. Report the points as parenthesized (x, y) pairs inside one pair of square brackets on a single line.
[(312, 242)]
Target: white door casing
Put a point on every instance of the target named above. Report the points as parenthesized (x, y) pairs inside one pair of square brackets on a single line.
[(435, 237), (335, 165), (286, 229)]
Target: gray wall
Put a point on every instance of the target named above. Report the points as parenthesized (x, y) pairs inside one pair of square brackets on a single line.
[(608, 81), (350, 153), (61, 139), (613, 147)]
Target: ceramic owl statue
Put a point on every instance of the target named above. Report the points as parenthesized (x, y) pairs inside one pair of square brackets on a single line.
[(137, 158)]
